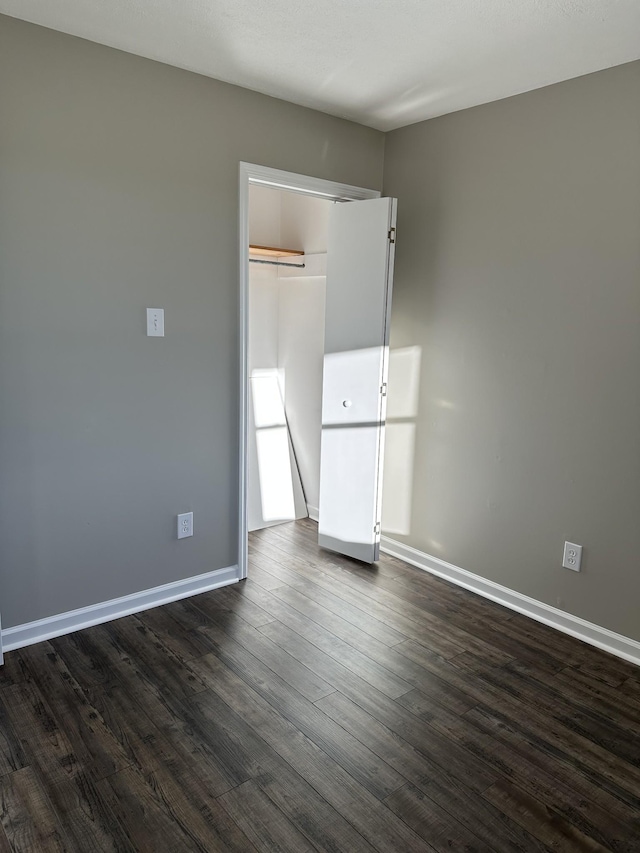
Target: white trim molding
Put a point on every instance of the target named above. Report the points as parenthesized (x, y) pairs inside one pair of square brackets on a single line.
[(105, 611), (278, 179), (603, 638), (314, 512)]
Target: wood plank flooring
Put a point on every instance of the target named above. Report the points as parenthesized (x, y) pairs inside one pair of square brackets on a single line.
[(321, 705)]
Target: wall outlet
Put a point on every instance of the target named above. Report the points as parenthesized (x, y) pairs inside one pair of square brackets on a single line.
[(572, 556), (185, 525)]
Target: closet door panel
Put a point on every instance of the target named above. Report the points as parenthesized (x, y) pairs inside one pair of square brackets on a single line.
[(358, 301)]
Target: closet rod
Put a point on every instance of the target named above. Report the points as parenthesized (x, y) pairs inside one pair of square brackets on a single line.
[(276, 263)]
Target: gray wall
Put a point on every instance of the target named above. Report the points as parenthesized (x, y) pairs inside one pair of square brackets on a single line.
[(118, 190), (518, 276)]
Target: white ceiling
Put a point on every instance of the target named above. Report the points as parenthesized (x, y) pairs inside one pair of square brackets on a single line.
[(384, 63)]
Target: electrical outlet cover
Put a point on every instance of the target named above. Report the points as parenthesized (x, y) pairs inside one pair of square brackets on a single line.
[(572, 556), (185, 525)]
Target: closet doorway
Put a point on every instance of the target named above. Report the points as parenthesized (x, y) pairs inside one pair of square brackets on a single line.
[(314, 356), (287, 288)]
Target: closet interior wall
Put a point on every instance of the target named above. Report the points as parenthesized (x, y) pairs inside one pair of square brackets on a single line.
[(286, 334)]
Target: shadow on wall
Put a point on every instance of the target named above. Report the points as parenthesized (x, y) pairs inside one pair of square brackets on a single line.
[(400, 439)]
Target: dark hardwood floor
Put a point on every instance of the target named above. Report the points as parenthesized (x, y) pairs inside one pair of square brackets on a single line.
[(319, 706)]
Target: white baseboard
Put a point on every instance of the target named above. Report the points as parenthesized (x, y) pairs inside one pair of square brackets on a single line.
[(603, 638), (105, 611), (314, 513)]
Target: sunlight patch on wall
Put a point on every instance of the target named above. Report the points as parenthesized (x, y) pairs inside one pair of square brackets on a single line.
[(400, 439), (272, 440)]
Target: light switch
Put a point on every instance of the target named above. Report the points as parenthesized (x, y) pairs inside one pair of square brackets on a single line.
[(155, 322)]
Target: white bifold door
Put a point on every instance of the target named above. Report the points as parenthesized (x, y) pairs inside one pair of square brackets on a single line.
[(358, 304)]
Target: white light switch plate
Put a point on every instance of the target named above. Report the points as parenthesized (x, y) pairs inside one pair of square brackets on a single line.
[(155, 322)]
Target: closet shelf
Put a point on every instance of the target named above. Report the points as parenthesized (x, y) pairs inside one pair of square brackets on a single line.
[(272, 252)]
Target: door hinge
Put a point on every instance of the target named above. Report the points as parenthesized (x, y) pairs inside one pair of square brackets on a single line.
[(376, 529), (383, 389), (392, 235)]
